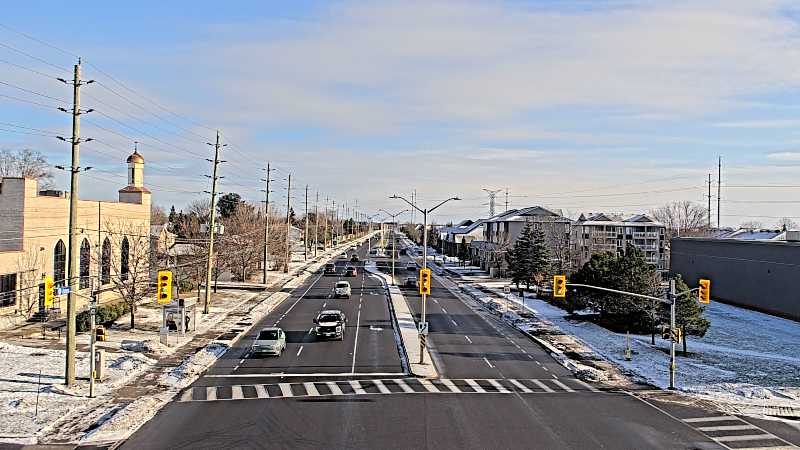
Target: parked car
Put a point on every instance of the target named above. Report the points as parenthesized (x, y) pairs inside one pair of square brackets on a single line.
[(330, 323), (410, 282), (330, 269), (350, 271), (270, 341), (341, 290)]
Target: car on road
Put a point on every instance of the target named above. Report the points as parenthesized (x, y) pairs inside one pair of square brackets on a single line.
[(354, 258), (350, 271), (330, 323), (411, 266), (341, 290), (343, 256), (410, 282), (270, 341), (330, 269)]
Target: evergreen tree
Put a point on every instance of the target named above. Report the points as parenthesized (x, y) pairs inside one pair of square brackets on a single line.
[(688, 312), (520, 257), (539, 257), (463, 252), (228, 203)]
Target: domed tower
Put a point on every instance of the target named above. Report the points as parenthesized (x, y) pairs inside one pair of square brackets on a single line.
[(135, 192)]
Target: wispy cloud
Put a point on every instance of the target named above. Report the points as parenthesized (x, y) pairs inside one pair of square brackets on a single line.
[(765, 123), (784, 156)]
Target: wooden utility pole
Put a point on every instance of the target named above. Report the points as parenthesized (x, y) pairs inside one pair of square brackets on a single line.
[(709, 201), (213, 224), (288, 225), (719, 190), (266, 225), (72, 262), (305, 233), (316, 224)]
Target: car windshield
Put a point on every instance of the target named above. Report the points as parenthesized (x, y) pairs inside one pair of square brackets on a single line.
[(342, 285), (268, 335), (329, 318)]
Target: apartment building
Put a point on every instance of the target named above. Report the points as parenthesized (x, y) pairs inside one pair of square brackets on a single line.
[(599, 232)]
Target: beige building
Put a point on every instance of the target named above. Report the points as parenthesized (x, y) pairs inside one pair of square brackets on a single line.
[(114, 240), (599, 232)]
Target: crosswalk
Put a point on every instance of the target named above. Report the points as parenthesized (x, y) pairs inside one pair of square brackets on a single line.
[(736, 433), (385, 387)]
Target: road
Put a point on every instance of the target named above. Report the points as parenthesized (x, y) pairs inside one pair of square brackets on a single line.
[(497, 389)]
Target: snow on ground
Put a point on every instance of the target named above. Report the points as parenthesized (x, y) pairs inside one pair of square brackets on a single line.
[(20, 382), (186, 373), (745, 357)]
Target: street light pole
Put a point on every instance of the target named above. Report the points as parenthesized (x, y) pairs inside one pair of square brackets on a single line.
[(391, 233)]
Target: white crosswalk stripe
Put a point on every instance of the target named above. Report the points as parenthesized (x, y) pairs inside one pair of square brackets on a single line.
[(738, 432), (395, 386)]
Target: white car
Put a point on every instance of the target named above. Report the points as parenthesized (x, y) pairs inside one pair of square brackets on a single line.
[(270, 341), (341, 289)]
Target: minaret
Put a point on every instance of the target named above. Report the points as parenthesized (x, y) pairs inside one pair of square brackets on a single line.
[(135, 192)]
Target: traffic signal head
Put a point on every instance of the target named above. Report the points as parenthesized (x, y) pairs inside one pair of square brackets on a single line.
[(559, 286), (704, 292), (49, 292), (677, 335), (164, 291), (425, 281)]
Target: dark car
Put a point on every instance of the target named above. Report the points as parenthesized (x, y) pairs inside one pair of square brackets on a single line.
[(330, 269), (354, 258), (410, 282), (411, 266), (330, 323), (350, 271)]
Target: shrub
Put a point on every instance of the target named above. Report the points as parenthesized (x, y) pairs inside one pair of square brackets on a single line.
[(105, 315)]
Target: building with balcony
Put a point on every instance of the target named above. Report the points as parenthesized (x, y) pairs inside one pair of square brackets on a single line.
[(601, 232)]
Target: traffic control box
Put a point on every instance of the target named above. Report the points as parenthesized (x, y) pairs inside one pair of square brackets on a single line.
[(425, 281), (164, 290), (704, 291), (559, 286)]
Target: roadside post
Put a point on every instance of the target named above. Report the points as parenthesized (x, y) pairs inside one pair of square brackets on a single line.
[(92, 342)]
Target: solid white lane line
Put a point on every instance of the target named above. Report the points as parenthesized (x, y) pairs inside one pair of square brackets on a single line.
[(450, 385), (711, 419), (381, 387), (488, 363), (406, 388), (300, 350), (475, 386), (728, 428), (335, 389), (542, 386), (286, 389), (520, 386), (304, 375), (236, 392), (428, 385), (297, 301), (311, 389), (211, 393), (357, 387), (261, 392), (748, 437), (562, 385), (355, 344), (454, 322), (500, 388), (468, 339)]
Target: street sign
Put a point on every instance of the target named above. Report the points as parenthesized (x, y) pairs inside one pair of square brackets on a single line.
[(423, 328), (64, 290)]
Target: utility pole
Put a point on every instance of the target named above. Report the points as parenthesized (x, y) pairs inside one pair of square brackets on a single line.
[(719, 190), (673, 366), (266, 224), (213, 223), (316, 224), (506, 210), (492, 195), (333, 222), (305, 233), (709, 201), (288, 225), (325, 226), (72, 262)]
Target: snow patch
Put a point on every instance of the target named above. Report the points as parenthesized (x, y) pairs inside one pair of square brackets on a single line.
[(184, 374)]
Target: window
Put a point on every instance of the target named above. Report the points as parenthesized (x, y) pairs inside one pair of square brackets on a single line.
[(105, 270), (124, 268), (8, 289), (86, 254), (60, 264)]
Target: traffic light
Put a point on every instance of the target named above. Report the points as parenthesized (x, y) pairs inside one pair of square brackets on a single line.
[(164, 292), (704, 293), (425, 281), (677, 335), (49, 292), (665, 333), (559, 286)]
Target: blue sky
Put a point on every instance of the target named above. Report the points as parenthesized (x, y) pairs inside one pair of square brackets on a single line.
[(617, 106)]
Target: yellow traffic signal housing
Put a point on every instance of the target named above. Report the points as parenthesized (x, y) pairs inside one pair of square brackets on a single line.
[(425, 281), (49, 292), (704, 293), (164, 292), (559, 286), (677, 335), (665, 333)]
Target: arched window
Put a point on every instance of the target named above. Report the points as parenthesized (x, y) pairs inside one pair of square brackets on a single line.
[(86, 255), (60, 264), (124, 255), (105, 263)]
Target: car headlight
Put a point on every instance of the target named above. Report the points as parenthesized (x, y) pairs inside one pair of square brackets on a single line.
[(316, 329), (339, 328)]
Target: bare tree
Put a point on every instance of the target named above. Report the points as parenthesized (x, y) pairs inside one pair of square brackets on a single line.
[(787, 223), (157, 215), (682, 218), (242, 244), (751, 225), (29, 264), (129, 263), (26, 163), (201, 209)]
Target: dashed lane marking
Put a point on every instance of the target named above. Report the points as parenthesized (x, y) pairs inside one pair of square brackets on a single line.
[(454, 322), (488, 363), (300, 350), (468, 339)]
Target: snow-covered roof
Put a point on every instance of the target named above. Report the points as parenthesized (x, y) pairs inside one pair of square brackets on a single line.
[(751, 235), (617, 220), (520, 215)]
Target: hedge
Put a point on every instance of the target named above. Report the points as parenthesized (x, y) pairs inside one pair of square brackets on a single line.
[(105, 314)]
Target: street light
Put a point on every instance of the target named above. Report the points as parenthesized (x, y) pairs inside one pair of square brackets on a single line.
[(423, 319), (393, 238)]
